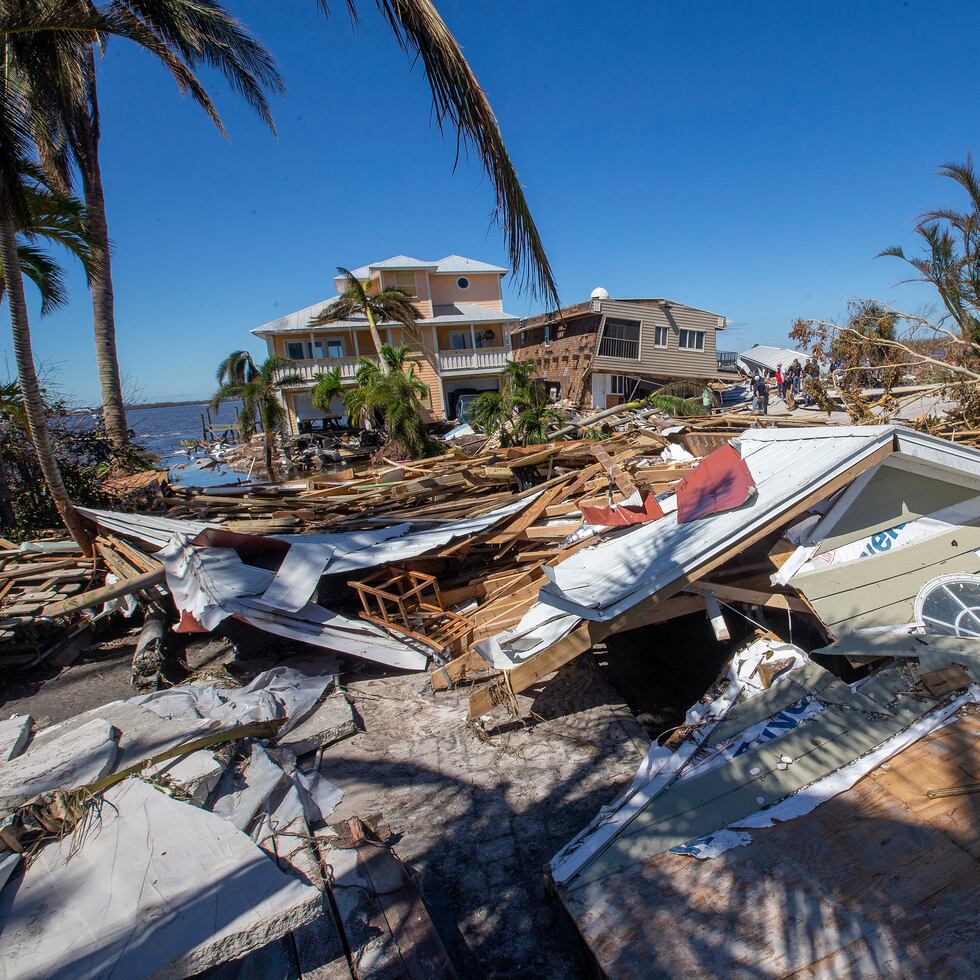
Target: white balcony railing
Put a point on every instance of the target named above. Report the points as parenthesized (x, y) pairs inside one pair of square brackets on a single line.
[(308, 370), (481, 359)]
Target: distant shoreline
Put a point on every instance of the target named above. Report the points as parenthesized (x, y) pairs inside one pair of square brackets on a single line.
[(192, 401), (97, 409)]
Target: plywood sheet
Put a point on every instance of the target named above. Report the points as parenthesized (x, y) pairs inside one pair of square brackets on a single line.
[(878, 881)]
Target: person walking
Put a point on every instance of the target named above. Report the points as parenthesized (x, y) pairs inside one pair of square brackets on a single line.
[(760, 395), (780, 381), (708, 400)]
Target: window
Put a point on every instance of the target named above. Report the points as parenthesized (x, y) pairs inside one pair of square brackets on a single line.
[(620, 384), (660, 339), (547, 334), (405, 281), (691, 340), (459, 339), (621, 338), (335, 348), (294, 350), (950, 604), (463, 282)]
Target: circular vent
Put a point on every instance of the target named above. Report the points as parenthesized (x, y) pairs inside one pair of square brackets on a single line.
[(950, 604)]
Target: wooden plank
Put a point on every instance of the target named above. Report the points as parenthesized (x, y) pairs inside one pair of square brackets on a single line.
[(771, 600), (96, 597)]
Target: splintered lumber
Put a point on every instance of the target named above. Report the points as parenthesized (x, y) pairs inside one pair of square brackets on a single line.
[(96, 597)]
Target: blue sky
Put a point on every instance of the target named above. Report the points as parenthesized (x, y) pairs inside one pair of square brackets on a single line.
[(749, 158)]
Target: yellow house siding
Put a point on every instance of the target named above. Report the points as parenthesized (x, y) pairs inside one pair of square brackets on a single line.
[(426, 370), (483, 289)]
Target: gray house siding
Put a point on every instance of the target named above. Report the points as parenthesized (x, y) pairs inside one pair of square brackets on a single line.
[(670, 361)]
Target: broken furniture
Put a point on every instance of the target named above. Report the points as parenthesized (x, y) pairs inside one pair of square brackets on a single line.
[(409, 603)]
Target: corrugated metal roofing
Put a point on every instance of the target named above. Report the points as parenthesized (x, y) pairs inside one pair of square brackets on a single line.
[(769, 357)]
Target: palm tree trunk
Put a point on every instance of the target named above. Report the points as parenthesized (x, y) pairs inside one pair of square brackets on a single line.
[(103, 300), (376, 338), (37, 423)]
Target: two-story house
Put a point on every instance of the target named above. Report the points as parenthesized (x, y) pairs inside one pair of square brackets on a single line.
[(604, 351), (462, 343)]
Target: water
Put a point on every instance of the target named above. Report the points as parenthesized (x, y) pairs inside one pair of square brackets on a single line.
[(161, 430)]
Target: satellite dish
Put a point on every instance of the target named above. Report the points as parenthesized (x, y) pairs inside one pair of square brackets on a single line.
[(599, 293), (950, 604)]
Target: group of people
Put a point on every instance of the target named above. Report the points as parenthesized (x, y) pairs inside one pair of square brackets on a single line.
[(789, 385)]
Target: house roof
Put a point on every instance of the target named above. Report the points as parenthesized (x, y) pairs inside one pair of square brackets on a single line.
[(449, 264), (588, 306), (299, 322), (765, 356)]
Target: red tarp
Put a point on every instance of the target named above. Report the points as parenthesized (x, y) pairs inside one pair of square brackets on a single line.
[(721, 481)]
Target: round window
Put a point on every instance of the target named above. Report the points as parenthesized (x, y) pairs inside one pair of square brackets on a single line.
[(463, 282), (950, 604)]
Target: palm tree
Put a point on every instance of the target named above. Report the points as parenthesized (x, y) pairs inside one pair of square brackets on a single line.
[(259, 393), (394, 394), (56, 218), (198, 33), (327, 386), (44, 80), (519, 411), (20, 193), (951, 257), (356, 303), (458, 98), (239, 368)]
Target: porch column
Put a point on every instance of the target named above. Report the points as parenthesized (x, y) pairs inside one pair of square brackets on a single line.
[(472, 336)]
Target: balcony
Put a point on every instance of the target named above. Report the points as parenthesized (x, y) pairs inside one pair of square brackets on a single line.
[(307, 370), (481, 359), (727, 360), (619, 347)]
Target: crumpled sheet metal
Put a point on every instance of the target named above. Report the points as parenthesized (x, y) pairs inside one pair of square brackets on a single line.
[(210, 584)]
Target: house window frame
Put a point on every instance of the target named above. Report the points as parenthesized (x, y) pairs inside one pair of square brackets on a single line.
[(685, 334), (290, 344), (659, 331), (616, 323), (463, 282), (465, 334), (335, 342), (410, 291)]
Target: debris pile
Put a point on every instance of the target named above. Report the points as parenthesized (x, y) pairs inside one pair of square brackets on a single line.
[(848, 555)]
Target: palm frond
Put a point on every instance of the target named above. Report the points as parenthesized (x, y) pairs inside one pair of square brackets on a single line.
[(458, 98)]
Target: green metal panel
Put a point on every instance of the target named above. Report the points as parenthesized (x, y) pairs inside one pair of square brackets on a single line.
[(881, 591), (893, 496)]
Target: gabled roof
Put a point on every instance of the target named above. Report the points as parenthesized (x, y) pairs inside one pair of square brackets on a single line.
[(449, 264), (299, 322), (460, 263)]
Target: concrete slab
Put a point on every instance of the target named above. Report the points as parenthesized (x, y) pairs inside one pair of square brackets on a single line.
[(143, 734), (157, 887), (75, 759), (14, 735), (197, 774), (329, 722)]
